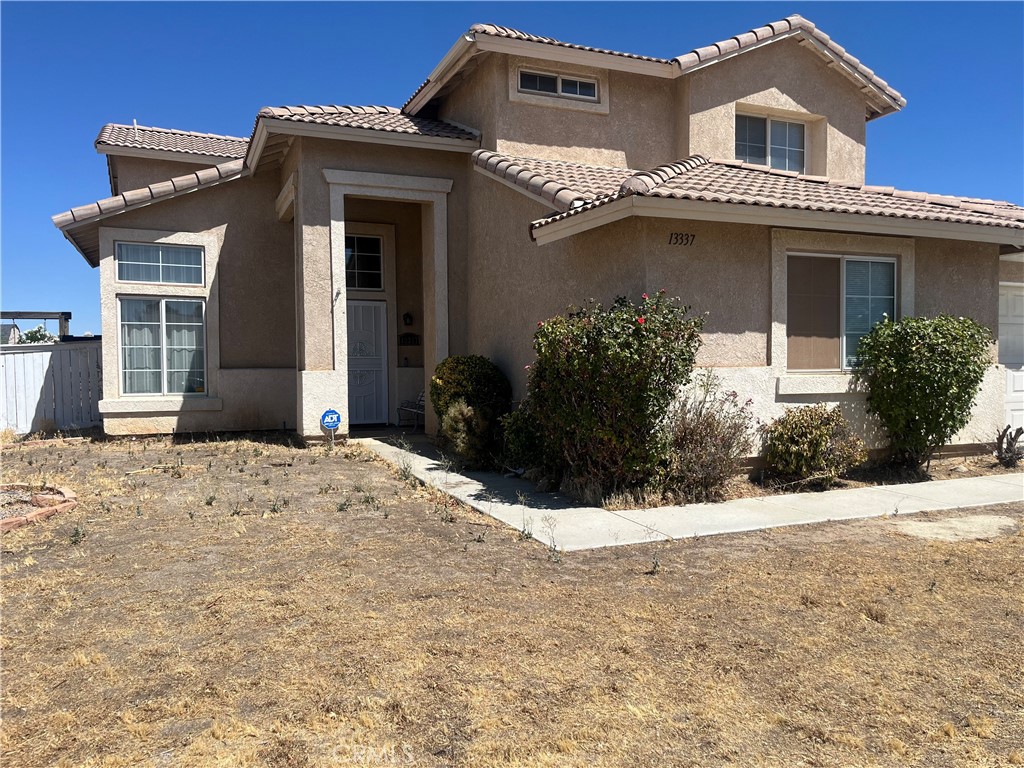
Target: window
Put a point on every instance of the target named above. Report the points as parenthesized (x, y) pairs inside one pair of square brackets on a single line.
[(834, 301), (158, 263), (557, 85), (364, 267), (763, 141), (162, 346)]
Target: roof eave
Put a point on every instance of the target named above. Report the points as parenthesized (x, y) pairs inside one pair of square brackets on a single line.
[(163, 154), (738, 213), (451, 62), (267, 125)]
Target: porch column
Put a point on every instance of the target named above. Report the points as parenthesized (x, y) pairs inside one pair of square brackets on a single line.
[(432, 193), (322, 375)]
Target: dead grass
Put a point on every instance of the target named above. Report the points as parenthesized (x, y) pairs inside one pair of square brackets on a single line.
[(321, 611)]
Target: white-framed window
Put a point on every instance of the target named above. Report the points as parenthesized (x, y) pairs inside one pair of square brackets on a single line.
[(364, 262), (767, 141), (549, 84), (162, 345), (834, 301), (159, 263)]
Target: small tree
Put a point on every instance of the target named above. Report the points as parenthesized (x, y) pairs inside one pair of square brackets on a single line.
[(922, 377), (37, 335), (601, 388)]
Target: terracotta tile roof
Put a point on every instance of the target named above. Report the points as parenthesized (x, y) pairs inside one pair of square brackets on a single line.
[(371, 118), (574, 188), (206, 177), (559, 183), (171, 140), (515, 34), (790, 25)]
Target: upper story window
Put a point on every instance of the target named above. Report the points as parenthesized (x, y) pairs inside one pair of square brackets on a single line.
[(766, 141), (558, 85), (364, 265), (159, 263)]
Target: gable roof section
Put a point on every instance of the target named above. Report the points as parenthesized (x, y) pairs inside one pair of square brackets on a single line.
[(888, 98), (373, 118), (376, 124), (114, 137), (881, 97), (78, 224), (575, 190)]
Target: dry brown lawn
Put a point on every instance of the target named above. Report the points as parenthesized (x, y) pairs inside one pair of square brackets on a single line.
[(248, 604)]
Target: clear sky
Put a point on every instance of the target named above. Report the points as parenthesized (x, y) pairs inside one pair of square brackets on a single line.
[(69, 68)]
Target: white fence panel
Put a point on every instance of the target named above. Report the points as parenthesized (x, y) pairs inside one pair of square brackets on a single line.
[(50, 386)]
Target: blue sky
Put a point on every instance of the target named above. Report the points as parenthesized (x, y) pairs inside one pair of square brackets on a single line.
[(68, 68)]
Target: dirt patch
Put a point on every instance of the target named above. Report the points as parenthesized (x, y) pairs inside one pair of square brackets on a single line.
[(250, 604), (958, 528)]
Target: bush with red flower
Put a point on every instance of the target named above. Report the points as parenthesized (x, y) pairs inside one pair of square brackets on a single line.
[(600, 390)]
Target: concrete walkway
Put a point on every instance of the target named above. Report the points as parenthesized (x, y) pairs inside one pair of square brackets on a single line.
[(558, 521)]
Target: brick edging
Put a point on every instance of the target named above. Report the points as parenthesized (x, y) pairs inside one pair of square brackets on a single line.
[(43, 513)]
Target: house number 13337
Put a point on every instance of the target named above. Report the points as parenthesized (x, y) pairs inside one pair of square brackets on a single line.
[(681, 238)]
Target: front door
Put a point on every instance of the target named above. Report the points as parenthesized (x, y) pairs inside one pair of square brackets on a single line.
[(1011, 350), (367, 362)]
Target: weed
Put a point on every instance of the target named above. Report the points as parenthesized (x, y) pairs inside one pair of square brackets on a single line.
[(275, 506), (210, 499), (444, 507), (326, 490), (266, 481), (344, 505), (250, 498), (138, 511), (312, 461), (526, 532), (655, 565), (237, 510), (480, 537), (548, 523), (357, 488), (78, 534), (191, 514)]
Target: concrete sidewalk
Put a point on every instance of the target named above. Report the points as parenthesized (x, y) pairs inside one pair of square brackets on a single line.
[(558, 521)]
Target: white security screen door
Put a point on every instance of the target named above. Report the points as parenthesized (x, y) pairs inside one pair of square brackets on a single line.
[(367, 362), (1011, 350)]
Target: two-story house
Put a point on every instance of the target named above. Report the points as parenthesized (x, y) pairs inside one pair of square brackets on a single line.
[(334, 257)]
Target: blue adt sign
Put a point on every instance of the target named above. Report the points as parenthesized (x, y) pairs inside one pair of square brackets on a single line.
[(331, 419)]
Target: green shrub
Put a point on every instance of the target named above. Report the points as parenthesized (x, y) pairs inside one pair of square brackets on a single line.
[(472, 378), (812, 442), (469, 394), (601, 388), (922, 376), (469, 432), (522, 442), (710, 434)]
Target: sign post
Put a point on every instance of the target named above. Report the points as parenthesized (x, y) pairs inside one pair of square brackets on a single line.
[(331, 420)]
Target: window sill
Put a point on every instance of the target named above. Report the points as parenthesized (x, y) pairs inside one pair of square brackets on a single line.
[(815, 383), (131, 405)]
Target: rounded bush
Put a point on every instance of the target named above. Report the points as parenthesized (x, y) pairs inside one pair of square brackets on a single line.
[(922, 376), (473, 379), (812, 441)]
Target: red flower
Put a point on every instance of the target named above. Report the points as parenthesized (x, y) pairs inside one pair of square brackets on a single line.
[(641, 320), (645, 296), (540, 324)]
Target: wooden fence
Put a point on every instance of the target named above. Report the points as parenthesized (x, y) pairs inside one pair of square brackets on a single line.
[(50, 386)]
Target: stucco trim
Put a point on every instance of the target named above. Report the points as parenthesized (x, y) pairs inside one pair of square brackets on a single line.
[(815, 384), (737, 213), (429, 191), (788, 241), (138, 405)]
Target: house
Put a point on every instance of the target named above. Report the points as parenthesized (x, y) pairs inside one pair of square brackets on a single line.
[(9, 333), (255, 283)]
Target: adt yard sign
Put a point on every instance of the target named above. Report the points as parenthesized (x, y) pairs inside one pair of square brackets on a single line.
[(331, 419)]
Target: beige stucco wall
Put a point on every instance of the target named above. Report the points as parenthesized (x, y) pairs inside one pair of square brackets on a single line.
[(632, 127), (138, 172), (1011, 271), (730, 273), (250, 322), (726, 275), (958, 278), (784, 80)]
